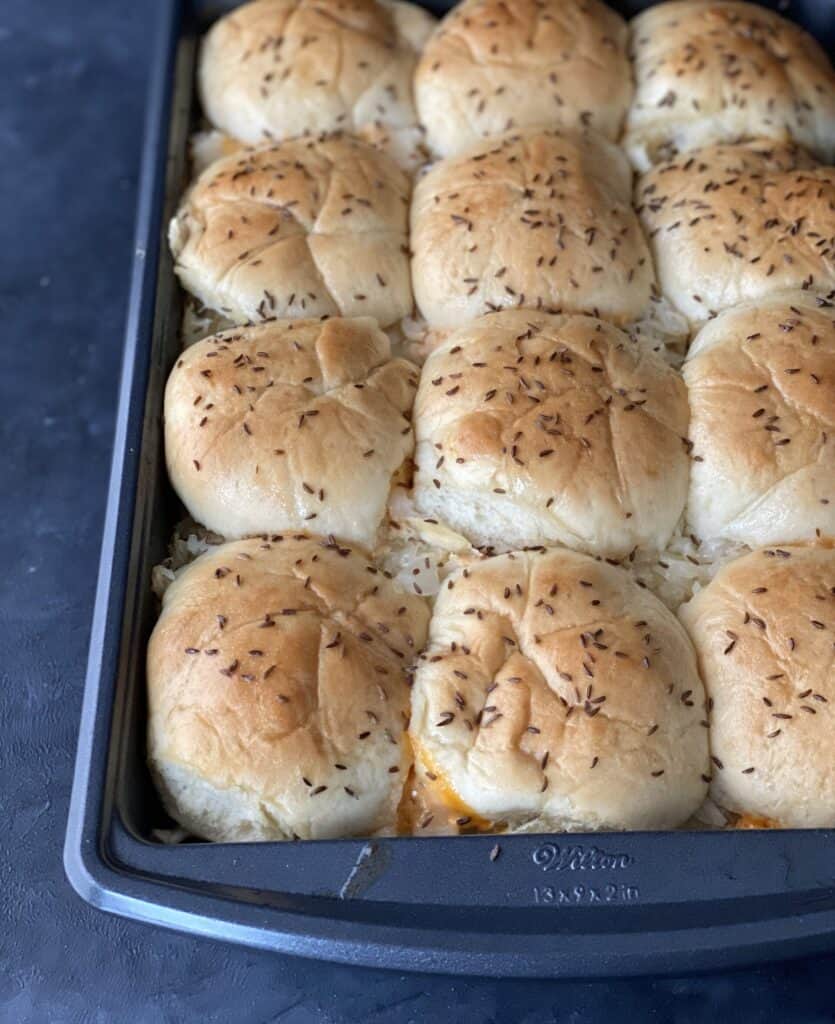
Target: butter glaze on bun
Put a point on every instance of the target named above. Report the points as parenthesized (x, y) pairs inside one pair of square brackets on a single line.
[(761, 385), (278, 695), (301, 229), (491, 67), (764, 631), (556, 694), (540, 429), (275, 69), (713, 72), (291, 425), (733, 223), (541, 219)]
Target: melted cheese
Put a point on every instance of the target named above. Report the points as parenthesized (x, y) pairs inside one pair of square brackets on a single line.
[(440, 792), (756, 821)]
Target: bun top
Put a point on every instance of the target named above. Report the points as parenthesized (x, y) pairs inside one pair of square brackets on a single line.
[(278, 694), (291, 425), (714, 72), (764, 631), (276, 232), (731, 223), (537, 429), (556, 693), (761, 384), (492, 67), (275, 69), (541, 219)]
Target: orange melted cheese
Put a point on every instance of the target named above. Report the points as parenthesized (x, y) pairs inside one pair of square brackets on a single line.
[(438, 791), (755, 821)]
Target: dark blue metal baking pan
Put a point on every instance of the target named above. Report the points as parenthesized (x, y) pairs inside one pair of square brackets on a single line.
[(547, 906)]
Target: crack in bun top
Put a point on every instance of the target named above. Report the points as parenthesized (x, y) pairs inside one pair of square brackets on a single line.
[(556, 694), (541, 429), (309, 227), (291, 425)]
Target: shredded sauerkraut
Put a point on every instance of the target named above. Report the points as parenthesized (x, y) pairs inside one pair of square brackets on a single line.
[(187, 542)]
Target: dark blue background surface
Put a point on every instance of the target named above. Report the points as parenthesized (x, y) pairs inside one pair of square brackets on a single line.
[(72, 93)]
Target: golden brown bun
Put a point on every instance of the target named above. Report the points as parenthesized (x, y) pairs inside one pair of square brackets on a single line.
[(275, 69), (731, 223), (764, 631), (538, 429), (555, 693), (713, 72), (761, 382), (541, 219), (493, 66), (277, 692), (305, 228), (292, 425)]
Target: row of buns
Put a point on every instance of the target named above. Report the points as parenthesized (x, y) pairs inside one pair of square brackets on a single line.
[(704, 71), (302, 686), (521, 429), (541, 219), (297, 691)]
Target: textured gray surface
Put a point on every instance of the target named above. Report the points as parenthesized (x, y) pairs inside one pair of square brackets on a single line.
[(70, 127)]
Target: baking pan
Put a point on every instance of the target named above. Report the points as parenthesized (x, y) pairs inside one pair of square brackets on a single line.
[(528, 905)]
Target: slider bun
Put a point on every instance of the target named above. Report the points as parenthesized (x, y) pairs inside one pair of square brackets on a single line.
[(305, 228), (717, 72), (556, 694), (761, 384), (273, 663), (492, 66), (538, 429), (274, 69), (542, 220), (290, 425), (731, 223), (763, 631)]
